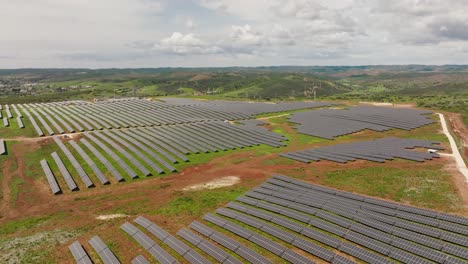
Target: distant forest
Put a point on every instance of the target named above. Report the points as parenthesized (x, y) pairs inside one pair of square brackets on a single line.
[(435, 87)]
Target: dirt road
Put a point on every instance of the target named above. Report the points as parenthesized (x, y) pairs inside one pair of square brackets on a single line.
[(456, 154), (459, 128)]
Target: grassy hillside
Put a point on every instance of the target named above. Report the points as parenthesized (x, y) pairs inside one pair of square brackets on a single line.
[(435, 87)]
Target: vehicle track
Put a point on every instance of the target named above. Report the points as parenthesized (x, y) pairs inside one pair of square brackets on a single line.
[(456, 153)]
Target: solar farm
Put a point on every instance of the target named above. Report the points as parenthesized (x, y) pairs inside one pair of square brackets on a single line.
[(330, 225), (330, 123), (180, 180)]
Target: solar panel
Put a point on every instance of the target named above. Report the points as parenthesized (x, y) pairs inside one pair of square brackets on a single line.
[(313, 249), (79, 254), (43, 122), (207, 247), (103, 251), (367, 242), (50, 177), (103, 160), (20, 122), (135, 151), (406, 257), (178, 246), (64, 171), (385, 148), (455, 250), (121, 150), (140, 260), (113, 155), (362, 254), (2, 146), (154, 249), (338, 259), (33, 122), (86, 180), (51, 120), (90, 162), (231, 244)]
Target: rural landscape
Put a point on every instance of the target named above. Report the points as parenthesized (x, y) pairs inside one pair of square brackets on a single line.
[(149, 172), (221, 131)]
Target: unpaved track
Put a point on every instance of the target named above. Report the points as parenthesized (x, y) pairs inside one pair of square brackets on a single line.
[(456, 154), (460, 130)]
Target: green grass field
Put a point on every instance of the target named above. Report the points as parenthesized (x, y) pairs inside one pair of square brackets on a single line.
[(197, 203)]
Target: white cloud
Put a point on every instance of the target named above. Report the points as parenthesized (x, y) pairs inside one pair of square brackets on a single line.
[(304, 9), (246, 36), (181, 44), (113, 33)]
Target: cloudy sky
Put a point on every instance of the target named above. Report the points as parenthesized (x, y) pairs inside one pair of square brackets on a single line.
[(201, 33)]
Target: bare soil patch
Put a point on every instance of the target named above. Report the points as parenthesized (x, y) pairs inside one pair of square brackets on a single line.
[(216, 183), (111, 216)]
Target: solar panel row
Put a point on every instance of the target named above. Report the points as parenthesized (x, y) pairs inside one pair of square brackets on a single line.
[(332, 225), (178, 246), (50, 177), (148, 244), (297, 228), (111, 153), (152, 150), (79, 254), (207, 247), (394, 231), (2, 146), (103, 160), (103, 251), (8, 112), (373, 201), (129, 114), (42, 121), (140, 260), (428, 247), (330, 123), (122, 151), (90, 162), (64, 171), (378, 150), (18, 113), (86, 180), (229, 243), (141, 113), (255, 238), (246, 108)]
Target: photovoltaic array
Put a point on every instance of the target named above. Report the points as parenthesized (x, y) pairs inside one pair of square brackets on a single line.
[(247, 108), (330, 123), (378, 150), (284, 215), (142, 152), (9, 109), (79, 116)]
